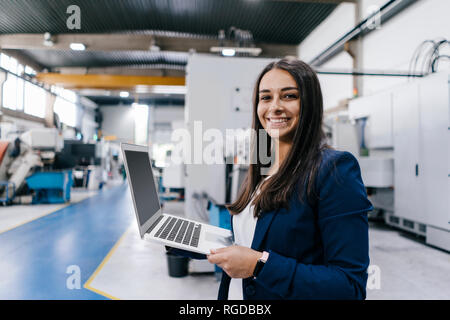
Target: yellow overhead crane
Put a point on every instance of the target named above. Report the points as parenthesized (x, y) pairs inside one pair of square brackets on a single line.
[(104, 81)]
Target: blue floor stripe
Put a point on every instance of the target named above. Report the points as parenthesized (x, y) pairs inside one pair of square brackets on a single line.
[(35, 256)]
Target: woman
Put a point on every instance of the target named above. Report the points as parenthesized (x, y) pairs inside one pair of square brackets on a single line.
[(301, 232)]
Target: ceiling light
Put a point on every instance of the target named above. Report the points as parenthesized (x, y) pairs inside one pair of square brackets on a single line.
[(124, 94), (161, 89), (231, 51), (228, 52), (169, 89), (77, 46)]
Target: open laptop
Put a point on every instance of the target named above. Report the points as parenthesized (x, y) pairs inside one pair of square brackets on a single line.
[(155, 225)]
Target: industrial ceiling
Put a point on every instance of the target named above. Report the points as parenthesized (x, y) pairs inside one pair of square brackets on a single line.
[(121, 35), (286, 22)]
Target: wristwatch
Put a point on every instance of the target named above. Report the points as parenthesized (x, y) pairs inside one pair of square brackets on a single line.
[(260, 264)]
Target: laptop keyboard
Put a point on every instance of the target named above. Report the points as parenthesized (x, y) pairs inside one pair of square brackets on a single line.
[(180, 231)]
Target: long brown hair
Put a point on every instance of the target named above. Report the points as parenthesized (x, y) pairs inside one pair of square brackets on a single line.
[(301, 164)]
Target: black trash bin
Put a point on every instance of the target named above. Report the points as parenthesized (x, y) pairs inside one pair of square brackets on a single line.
[(178, 265)]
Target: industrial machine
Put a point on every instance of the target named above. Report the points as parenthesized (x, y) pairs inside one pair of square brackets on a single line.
[(28, 165), (216, 103), (172, 182), (402, 144), (84, 161), (7, 188), (51, 186)]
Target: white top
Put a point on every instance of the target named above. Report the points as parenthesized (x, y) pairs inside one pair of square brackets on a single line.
[(244, 225)]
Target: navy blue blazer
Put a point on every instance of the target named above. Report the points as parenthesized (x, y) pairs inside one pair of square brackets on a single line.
[(316, 250)]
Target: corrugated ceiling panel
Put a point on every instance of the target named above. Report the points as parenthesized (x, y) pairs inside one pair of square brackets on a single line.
[(270, 21)]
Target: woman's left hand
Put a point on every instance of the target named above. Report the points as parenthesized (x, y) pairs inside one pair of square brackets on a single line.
[(236, 261)]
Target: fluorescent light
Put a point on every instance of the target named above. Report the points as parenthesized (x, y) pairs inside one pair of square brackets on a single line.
[(228, 52), (77, 46), (169, 89), (161, 89), (124, 94), (231, 51)]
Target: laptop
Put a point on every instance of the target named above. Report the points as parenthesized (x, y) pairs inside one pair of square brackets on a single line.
[(154, 225)]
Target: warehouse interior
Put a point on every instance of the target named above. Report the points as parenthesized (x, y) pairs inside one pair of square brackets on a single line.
[(80, 77)]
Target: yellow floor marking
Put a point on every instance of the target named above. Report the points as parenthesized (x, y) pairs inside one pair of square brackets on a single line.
[(87, 285)]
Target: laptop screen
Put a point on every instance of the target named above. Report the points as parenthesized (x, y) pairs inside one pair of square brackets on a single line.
[(144, 190)]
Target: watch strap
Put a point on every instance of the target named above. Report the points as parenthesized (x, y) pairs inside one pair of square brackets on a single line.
[(260, 264)]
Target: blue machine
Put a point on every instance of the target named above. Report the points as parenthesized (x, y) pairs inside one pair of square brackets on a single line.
[(50, 187), (219, 216)]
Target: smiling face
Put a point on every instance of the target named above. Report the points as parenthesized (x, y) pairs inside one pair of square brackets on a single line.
[(279, 104)]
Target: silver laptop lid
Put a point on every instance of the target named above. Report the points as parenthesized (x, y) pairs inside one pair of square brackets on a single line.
[(142, 185)]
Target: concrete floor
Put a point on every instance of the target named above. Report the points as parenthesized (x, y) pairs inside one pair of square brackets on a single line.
[(100, 236), (402, 268), (407, 267), (137, 269)]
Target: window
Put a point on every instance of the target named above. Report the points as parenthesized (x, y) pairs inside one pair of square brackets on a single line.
[(20, 93), (34, 100), (25, 96), (69, 95), (20, 70), (30, 71), (4, 61), (13, 93), (66, 111), (65, 105), (12, 65)]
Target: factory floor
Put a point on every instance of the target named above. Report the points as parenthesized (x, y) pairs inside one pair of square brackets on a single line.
[(91, 249)]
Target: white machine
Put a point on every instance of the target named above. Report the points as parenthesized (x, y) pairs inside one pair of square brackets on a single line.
[(157, 226), (219, 98), (43, 139), (406, 134), (173, 176)]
